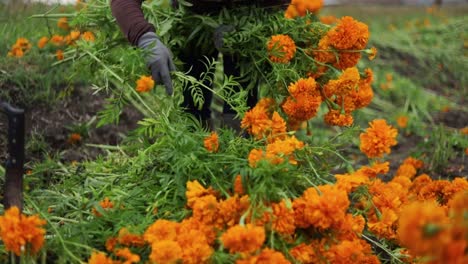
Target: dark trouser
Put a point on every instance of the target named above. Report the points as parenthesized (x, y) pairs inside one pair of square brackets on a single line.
[(197, 67)]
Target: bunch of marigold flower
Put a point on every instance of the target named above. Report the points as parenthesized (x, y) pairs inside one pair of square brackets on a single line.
[(20, 233), (346, 94), (144, 84), (20, 47)]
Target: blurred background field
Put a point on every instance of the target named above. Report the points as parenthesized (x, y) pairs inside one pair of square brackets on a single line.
[(420, 83)]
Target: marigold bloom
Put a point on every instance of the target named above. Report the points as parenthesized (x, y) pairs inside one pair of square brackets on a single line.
[(128, 239), (105, 204), (280, 149), (378, 138), (63, 23), (402, 121), (195, 246), (195, 191), (422, 228), (322, 207), (283, 218), (304, 101), (20, 47), (59, 55), (256, 121), (464, 131), (57, 40), (281, 48), (304, 254), (268, 256), (88, 36), (127, 255), (302, 7), (356, 251), (336, 118), (211, 142), (144, 84), (384, 225), (278, 127), (238, 186), (329, 20), (243, 239), (99, 258), (205, 209), (161, 230), (18, 230), (165, 252), (346, 83), (231, 209), (42, 42), (255, 156), (349, 34)]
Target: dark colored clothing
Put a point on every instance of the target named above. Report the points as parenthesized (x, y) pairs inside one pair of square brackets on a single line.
[(130, 19), (133, 24)]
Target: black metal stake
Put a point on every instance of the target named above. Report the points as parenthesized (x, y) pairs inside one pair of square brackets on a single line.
[(13, 189)]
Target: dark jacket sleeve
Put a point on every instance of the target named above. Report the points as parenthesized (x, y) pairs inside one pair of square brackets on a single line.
[(130, 19)]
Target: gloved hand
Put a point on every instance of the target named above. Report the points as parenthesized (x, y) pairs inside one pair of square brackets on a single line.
[(159, 59)]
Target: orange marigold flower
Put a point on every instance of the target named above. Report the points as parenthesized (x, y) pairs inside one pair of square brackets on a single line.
[(378, 138), (384, 224), (42, 42), (304, 101), (88, 36), (57, 40), (161, 230), (59, 54), (464, 131), (268, 256), (315, 207), (195, 191), (283, 148), (74, 138), (211, 142), (336, 118), (126, 254), (346, 83), (105, 204), (281, 48), (349, 34), (278, 127), (238, 186), (144, 84), (255, 156), (205, 209), (195, 247), (256, 121), (329, 20), (302, 7), (231, 209), (17, 231), (304, 254), (283, 218), (130, 240), (345, 251), (349, 182), (165, 252), (20, 47), (111, 242), (422, 228), (243, 239), (375, 169), (99, 258), (63, 23), (75, 34), (402, 121)]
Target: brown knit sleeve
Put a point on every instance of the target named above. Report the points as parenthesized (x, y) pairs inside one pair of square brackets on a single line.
[(130, 19)]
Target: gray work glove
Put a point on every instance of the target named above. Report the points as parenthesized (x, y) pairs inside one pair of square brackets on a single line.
[(159, 59)]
